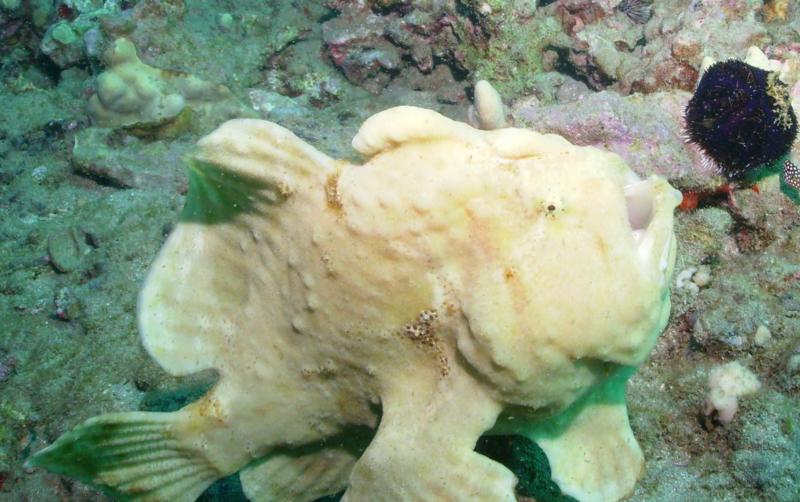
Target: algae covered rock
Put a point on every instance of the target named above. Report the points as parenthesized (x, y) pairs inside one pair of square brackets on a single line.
[(122, 161), (66, 249), (70, 42)]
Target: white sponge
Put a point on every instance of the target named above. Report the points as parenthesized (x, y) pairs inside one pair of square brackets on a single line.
[(726, 384)]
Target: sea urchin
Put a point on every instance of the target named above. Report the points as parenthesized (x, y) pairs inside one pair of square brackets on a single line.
[(741, 117)]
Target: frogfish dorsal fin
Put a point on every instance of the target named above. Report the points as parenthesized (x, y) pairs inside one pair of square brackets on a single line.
[(402, 124), (214, 265), (259, 154), (405, 124)]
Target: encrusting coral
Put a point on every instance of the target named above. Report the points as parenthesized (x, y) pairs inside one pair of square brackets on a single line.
[(131, 93), (727, 383), (460, 281)]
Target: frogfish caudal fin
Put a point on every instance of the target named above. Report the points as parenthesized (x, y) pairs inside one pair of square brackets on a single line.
[(130, 456)]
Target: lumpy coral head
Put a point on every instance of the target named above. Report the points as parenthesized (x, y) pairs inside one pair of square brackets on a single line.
[(458, 282), (741, 117), (131, 92)]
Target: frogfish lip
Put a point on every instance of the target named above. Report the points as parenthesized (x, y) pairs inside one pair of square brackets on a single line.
[(639, 199), (650, 204)]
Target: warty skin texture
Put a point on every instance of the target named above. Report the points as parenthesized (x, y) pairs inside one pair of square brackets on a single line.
[(459, 282)]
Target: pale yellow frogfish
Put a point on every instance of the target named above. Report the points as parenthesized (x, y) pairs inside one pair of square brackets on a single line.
[(457, 283)]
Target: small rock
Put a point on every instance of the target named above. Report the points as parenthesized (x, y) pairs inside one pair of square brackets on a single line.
[(66, 248), (571, 90), (84, 6), (793, 365), (41, 12), (762, 336), (700, 334), (684, 280), (62, 45), (93, 42), (39, 174), (702, 277), (64, 34), (275, 106), (733, 340), (790, 304), (225, 21), (93, 158), (8, 364), (67, 306)]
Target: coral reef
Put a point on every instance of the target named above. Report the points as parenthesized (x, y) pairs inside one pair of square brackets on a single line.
[(141, 98), (415, 45), (434, 45), (646, 130), (609, 50)]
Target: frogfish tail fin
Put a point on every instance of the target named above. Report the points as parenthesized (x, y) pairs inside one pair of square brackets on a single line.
[(130, 456)]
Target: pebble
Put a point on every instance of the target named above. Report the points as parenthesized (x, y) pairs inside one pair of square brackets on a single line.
[(39, 174), (683, 280), (93, 42), (702, 277), (8, 365), (67, 306), (733, 340), (66, 248), (225, 21), (85, 6), (693, 278), (64, 34), (762, 336), (793, 365)]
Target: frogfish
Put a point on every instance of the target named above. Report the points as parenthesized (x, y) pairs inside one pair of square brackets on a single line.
[(369, 322)]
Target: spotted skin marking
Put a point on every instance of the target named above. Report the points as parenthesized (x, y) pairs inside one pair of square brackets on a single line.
[(791, 174)]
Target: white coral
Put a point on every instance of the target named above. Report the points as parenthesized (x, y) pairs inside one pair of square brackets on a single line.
[(727, 383)]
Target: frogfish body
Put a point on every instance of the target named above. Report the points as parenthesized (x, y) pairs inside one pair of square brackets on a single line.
[(457, 283)]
